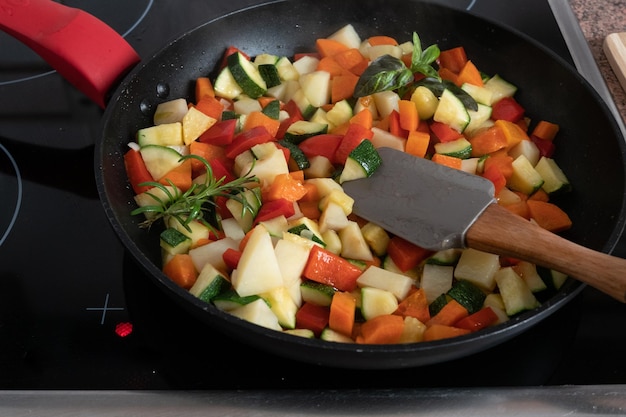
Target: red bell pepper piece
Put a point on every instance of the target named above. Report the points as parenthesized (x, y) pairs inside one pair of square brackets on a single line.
[(295, 115), (495, 175), (246, 140), (220, 170), (275, 208), (313, 317), (355, 134), (444, 132), (546, 147), (394, 125), (231, 257), (221, 133), (328, 268), (321, 145), (229, 51), (405, 254), (507, 108), (479, 320), (136, 171)]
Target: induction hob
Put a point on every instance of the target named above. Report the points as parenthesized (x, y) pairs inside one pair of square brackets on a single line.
[(76, 312)]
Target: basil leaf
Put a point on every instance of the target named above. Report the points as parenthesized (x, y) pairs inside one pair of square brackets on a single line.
[(430, 54), (437, 87), (384, 74)]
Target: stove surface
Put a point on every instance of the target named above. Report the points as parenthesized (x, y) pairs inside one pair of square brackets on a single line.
[(77, 313)]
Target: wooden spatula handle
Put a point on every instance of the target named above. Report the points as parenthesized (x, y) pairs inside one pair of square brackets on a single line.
[(501, 232)]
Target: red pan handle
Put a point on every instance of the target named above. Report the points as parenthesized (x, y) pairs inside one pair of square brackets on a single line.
[(83, 49)]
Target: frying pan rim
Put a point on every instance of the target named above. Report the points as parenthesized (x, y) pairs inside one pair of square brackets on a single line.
[(518, 324)]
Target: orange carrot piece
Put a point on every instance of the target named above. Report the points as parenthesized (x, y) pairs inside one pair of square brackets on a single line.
[(447, 74), (385, 329), (381, 40), (181, 270), (452, 312), (204, 88), (310, 209), (502, 161), (257, 118), (329, 47), (549, 216), (415, 305), (540, 195), (447, 160), (330, 65), (545, 130), (264, 101), (312, 192), (405, 255), (206, 151), (469, 74), (342, 86), (286, 187), (417, 143), (363, 118), (488, 141), (453, 59), (210, 106), (512, 132), (179, 176), (408, 115), (328, 268), (440, 331), (342, 312), (350, 59), (520, 208), (297, 175)]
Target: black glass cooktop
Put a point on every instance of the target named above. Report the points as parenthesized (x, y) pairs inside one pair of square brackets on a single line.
[(77, 313)]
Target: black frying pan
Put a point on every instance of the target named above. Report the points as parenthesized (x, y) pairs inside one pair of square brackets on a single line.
[(591, 149)]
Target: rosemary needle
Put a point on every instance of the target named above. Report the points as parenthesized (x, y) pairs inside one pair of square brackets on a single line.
[(192, 204)]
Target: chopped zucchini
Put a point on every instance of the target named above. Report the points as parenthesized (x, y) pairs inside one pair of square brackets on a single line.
[(168, 134), (159, 159), (283, 306), (468, 295), (229, 300), (437, 304), (258, 312), (272, 109), (445, 257), (270, 75), (516, 294), (525, 177), (451, 111), (376, 302), (303, 129), (458, 148), (317, 293), (174, 242), (246, 75), (297, 157), (553, 177), (170, 111), (307, 229), (499, 88), (331, 335), (361, 162), (226, 86), (209, 284)]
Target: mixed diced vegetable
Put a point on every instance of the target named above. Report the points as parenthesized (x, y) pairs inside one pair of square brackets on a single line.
[(246, 181)]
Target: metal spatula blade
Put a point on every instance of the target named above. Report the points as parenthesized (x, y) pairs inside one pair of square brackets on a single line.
[(428, 204), (437, 207)]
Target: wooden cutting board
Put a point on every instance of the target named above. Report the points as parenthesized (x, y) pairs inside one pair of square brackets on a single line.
[(615, 49)]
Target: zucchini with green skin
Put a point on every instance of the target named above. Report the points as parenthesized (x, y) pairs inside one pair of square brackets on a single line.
[(304, 129), (460, 148), (317, 293), (361, 163), (246, 75), (452, 111)]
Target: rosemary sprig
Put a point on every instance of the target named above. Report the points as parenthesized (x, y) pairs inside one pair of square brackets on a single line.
[(193, 204)]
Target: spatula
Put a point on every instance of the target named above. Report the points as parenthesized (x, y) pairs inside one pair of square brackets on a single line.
[(437, 207)]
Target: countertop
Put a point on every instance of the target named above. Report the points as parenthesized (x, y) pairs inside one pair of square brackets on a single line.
[(597, 19)]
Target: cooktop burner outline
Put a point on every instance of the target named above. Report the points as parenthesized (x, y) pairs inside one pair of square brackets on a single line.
[(18, 202), (105, 308)]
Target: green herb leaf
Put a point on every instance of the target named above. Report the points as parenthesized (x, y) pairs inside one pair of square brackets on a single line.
[(383, 74), (197, 201), (421, 60)]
